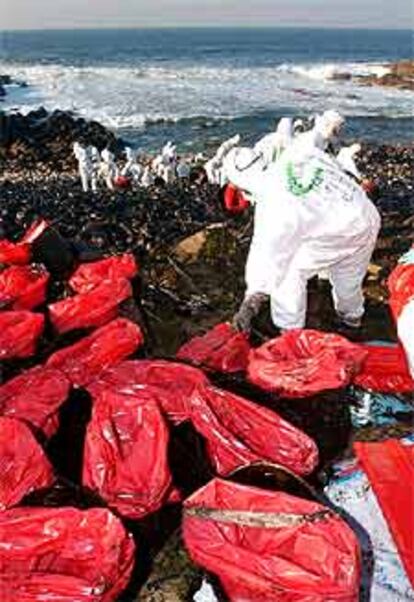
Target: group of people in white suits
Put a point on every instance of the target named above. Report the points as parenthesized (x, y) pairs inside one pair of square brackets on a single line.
[(311, 215)]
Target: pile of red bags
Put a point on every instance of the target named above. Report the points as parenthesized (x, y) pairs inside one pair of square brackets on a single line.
[(84, 361), (222, 349), (125, 456), (91, 309), (23, 465), (129, 403), (90, 275), (269, 546), (23, 287), (302, 363), (19, 332), (34, 397), (64, 555)]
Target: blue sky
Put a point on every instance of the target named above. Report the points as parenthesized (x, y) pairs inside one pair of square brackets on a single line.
[(44, 14)]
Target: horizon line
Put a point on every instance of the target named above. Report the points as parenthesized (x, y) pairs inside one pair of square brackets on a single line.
[(202, 26)]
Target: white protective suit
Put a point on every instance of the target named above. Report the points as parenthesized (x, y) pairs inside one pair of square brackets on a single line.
[(168, 173), (214, 166), (272, 145), (130, 160), (147, 178), (108, 168), (309, 216), (132, 168), (346, 157), (326, 130), (183, 170), (84, 164), (94, 158)]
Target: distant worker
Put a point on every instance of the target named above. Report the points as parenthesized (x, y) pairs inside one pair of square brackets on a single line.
[(82, 157), (132, 168), (108, 168), (183, 170), (94, 162), (147, 179)]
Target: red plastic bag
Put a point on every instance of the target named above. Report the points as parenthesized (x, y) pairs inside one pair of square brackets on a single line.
[(239, 432), (64, 555), (20, 253), (90, 275), (222, 349), (401, 287), (23, 287), (301, 363), (23, 465), (34, 397), (385, 370), (14, 253), (268, 546), (92, 309), (84, 361), (19, 331), (174, 385), (390, 469), (122, 182), (126, 453), (234, 199)]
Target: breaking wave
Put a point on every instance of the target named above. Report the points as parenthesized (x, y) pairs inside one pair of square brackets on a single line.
[(202, 95)]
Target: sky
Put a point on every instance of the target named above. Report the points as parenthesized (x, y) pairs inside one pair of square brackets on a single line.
[(56, 14)]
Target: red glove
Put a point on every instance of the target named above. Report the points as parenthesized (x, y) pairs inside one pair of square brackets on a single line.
[(234, 200), (122, 182), (369, 187)]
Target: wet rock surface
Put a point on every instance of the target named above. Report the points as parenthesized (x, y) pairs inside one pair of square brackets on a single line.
[(47, 138), (400, 75)]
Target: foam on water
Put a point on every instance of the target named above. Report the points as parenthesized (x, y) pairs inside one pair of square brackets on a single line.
[(133, 97)]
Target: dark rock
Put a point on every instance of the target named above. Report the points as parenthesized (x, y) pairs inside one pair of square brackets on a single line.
[(48, 137), (5, 80)]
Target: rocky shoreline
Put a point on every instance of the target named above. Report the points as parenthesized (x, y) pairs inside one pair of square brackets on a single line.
[(398, 75), (46, 138)]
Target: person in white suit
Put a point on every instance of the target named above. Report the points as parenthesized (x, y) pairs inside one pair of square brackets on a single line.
[(309, 216)]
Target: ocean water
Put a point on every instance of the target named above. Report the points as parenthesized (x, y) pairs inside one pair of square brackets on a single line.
[(197, 86)]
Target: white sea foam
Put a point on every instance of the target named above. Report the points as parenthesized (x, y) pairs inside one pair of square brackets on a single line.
[(333, 71), (132, 97)]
